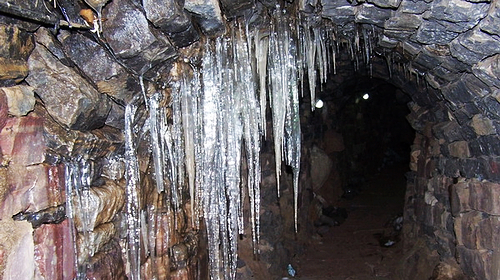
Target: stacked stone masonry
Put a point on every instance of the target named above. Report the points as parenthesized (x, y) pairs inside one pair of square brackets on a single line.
[(64, 90)]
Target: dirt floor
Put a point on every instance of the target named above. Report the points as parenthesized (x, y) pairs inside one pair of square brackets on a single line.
[(352, 250)]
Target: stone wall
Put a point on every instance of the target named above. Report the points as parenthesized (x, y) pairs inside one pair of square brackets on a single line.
[(65, 84)]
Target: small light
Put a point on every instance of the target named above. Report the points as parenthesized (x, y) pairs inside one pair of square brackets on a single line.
[(366, 96), (319, 104)]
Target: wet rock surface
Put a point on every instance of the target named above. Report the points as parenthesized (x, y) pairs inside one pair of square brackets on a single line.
[(444, 54)]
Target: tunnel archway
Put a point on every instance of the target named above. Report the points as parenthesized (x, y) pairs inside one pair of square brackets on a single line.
[(91, 88)]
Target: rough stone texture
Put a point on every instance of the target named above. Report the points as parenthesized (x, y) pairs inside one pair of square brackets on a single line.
[(172, 19), (16, 46), (370, 14), (103, 204), (69, 99), (16, 247), (482, 125), (22, 141), (480, 264), (208, 15), (433, 32), (54, 252), (33, 188), (128, 33), (20, 99)]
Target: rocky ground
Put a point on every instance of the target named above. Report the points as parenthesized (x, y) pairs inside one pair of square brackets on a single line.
[(353, 250)]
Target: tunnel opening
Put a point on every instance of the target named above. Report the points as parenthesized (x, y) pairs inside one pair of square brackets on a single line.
[(165, 139)]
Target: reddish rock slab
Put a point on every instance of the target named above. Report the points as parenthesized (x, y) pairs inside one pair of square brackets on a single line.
[(22, 141), (32, 188), (16, 250), (54, 252), (107, 264)]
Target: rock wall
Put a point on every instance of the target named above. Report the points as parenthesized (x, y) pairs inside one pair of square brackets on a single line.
[(65, 80)]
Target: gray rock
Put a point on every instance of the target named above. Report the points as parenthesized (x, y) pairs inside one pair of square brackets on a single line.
[(69, 98), (399, 35), (413, 7), (432, 32), (480, 43), (233, 8), (488, 70), (95, 62), (371, 14), (385, 3), (463, 54), (457, 11), (402, 21), (20, 99), (339, 11), (208, 15), (171, 18), (492, 21), (128, 33)]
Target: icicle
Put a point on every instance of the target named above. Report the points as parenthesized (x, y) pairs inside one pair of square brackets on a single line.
[(69, 178), (154, 129), (188, 92), (177, 151), (261, 49), (131, 190)]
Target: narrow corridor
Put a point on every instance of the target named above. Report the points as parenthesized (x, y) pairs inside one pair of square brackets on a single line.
[(353, 250)]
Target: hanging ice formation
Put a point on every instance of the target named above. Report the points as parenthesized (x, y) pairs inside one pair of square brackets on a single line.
[(218, 120)]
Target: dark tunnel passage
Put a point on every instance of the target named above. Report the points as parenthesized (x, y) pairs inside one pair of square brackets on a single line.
[(363, 129), (170, 140)]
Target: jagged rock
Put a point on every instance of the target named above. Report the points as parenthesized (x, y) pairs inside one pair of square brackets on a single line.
[(480, 43), (457, 11), (69, 99), (433, 32), (488, 70), (172, 19), (339, 11), (233, 8), (104, 202), (208, 15), (32, 189), (482, 125), (54, 252), (22, 141), (44, 37), (371, 14), (414, 7), (15, 47), (492, 21), (459, 149), (16, 247), (168, 16), (385, 3), (51, 215), (402, 21), (20, 99), (128, 33), (463, 54), (485, 146), (479, 263)]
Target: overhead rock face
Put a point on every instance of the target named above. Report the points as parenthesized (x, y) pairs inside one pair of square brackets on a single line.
[(72, 101)]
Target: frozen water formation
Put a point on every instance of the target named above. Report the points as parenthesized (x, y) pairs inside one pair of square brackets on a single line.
[(217, 121)]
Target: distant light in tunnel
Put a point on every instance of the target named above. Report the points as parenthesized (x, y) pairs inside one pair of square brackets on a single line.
[(319, 104), (366, 96)]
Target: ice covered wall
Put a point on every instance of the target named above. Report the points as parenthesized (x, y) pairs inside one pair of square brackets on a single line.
[(118, 138)]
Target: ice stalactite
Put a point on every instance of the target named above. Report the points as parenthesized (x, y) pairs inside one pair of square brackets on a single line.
[(132, 190), (78, 176)]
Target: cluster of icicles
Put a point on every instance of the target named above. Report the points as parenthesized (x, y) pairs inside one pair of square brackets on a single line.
[(219, 120)]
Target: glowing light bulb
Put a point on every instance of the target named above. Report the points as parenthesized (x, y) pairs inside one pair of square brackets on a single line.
[(366, 96), (319, 104)]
